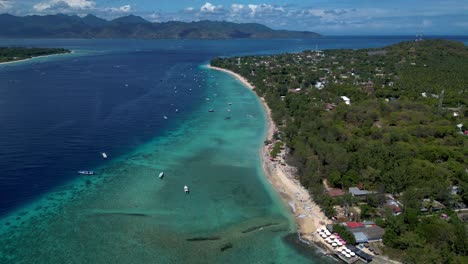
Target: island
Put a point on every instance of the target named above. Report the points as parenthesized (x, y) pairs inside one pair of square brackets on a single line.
[(378, 138), (135, 27), (11, 54)]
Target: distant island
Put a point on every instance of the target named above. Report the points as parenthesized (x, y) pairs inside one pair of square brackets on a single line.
[(10, 54), (90, 26), (379, 138)]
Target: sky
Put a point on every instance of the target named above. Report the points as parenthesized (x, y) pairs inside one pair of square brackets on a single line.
[(333, 17)]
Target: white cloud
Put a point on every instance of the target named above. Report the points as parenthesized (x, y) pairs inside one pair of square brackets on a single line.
[(210, 8), (264, 8), (5, 4), (64, 5), (236, 8), (122, 9)]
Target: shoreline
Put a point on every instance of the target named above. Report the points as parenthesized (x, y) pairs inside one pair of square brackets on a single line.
[(307, 214), (27, 59)]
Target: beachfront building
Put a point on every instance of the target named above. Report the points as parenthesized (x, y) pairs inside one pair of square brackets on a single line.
[(360, 193)]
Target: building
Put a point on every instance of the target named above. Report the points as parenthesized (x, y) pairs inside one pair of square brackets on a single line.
[(355, 191), (329, 107), (335, 192), (346, 100)]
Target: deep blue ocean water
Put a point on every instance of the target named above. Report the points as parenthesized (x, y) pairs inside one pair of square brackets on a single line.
[(57, 114)]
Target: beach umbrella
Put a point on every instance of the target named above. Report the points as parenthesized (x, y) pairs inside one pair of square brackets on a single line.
[(347, 255), (332, 237), (328, 233), (334, 244), (323, 235), (339, 243), (348, 250), (352, 254)]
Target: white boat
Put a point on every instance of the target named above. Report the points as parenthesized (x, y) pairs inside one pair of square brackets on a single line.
[(86, 172), (161, 175), (165, 117), (104, 155), (186, 189)]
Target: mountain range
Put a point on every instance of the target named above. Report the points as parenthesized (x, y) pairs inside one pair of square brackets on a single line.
[(90, 26)]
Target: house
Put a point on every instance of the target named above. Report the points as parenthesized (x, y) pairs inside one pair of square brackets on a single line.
[(319, 85), (365, 231), (368, 233), (434, 206), (346, 100), (355, 191), (329, 107), (335, 192), (394, 206)]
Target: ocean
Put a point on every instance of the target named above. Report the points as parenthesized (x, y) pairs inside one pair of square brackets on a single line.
[(146, 104)]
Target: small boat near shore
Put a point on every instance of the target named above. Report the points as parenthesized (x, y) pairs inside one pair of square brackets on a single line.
[(161, 175), (104, 155), (186, 189), (211, 110), (86, 172)]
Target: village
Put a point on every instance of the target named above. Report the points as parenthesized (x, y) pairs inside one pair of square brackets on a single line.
[(331, 81)]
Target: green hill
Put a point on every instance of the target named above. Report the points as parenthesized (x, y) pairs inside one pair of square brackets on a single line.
[(398, 136), (90, 26)]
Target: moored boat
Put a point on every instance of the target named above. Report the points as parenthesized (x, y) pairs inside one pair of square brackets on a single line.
[(104, 155), (186, 189), (161, 175), (86, 172)]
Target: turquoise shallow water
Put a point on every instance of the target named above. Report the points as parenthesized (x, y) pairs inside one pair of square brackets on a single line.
[(128, 215), (58, 113)]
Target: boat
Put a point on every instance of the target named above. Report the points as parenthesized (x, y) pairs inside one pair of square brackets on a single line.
[(165, 117), (211, 110), (104, 155), (86, 172), (186, 189), (161, 175)]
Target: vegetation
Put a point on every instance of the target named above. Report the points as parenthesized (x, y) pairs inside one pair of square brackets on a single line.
[(276, 149), (344, 233), (90, 26), (16, 53), (397, 136)]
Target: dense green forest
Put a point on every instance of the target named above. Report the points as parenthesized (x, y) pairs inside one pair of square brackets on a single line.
[(398, 135), (18, 53)]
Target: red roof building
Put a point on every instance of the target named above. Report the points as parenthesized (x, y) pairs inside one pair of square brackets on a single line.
[(354, 224), (334, 192)]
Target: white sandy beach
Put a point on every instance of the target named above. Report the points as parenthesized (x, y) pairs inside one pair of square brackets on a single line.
[(307, 213), (35, 57)]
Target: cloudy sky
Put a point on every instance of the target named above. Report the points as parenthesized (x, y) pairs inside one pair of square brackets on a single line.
[(333, 17)]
